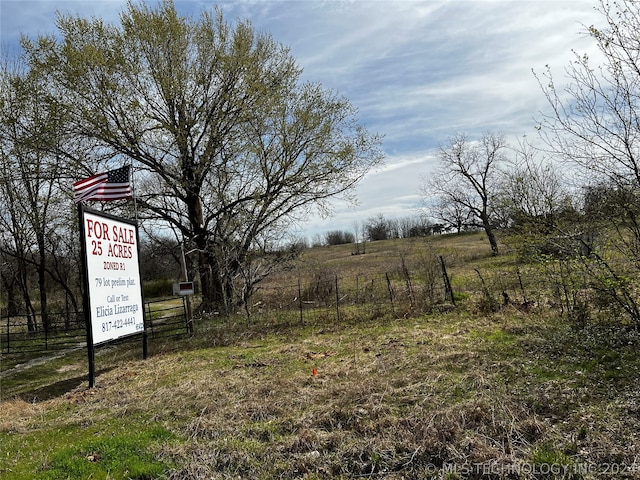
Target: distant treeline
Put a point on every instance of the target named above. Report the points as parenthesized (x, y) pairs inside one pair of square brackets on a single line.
[(380, 228)]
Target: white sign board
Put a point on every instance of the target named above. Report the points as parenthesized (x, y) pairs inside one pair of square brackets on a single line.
[(113, 274)]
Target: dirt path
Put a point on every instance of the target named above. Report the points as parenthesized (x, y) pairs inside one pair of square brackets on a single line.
[(38, 361)]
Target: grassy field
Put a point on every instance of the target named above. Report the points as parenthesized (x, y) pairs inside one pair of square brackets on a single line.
[(471, 393)]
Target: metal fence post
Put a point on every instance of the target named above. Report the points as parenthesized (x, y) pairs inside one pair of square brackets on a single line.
[(337, 302), (447, 282), (300, 301), (46, 333), (390, 288)]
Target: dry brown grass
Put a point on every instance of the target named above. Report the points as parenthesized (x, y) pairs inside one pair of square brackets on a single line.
[(438, 396), (16, 414)]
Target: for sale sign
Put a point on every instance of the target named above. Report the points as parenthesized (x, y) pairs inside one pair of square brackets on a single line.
[(112, 276)]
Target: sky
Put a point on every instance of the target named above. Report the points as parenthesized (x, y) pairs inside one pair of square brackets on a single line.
[(418, 72)]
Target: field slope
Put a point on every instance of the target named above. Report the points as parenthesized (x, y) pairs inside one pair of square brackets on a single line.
[(462, 394)]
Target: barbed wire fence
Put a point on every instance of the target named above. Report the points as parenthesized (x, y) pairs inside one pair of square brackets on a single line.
[(321, 297), (325, 297)]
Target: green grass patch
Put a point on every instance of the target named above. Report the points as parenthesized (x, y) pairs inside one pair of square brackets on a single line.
[(103, 450), (549, 455), (123, 456)]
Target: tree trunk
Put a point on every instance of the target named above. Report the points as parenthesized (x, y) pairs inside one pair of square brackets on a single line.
[(210, 283), (491, 236), (44, 316), (12, 300), (42, 286), (32, 323), (210, 280)]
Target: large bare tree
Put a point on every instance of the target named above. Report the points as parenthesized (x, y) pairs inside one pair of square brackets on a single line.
[(229, 146), (465, 181)]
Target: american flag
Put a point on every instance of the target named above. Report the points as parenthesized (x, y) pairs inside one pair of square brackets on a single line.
[(107, 186)]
